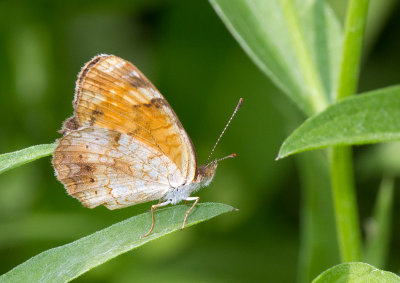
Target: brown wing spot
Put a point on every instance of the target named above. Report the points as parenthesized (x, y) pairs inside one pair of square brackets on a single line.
[(158, 102), (92, 120), (136, 106), (97, 113), (138, 82), (92, 181), (80, 156), (85, 169), (117, 137)]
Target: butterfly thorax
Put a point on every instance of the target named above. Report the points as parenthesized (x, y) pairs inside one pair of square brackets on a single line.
[(205, 174)]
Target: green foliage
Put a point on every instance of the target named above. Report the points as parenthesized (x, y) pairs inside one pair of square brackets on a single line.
[(356, 272), (64, 263), (297, 46), (300, 45), (379, 226), (69, 261), (318, 226), (366, 118), (14, 159)]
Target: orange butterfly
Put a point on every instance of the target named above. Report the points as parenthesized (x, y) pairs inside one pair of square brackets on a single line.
[(124, 144)]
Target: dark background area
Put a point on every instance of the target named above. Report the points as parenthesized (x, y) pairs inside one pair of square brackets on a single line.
[(186, 51)]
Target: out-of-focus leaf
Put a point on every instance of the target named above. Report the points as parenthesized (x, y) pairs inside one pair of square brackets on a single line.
[(67, 262), (379, 13), (297, 44), (382, 159), (17, 158), (379, 226), (356, 272), (317, 219), (367, 118)]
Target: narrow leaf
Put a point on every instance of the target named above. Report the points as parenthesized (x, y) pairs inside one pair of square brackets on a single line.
[(297, 44), (67, 262), (356, 272), (379, 226), (367, 118), (17, 158)]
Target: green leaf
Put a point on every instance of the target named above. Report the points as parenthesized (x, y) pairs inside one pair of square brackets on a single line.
[(67, 262), (17, 158), (297, 44), (379, 226), (356, 272), (367, 118)]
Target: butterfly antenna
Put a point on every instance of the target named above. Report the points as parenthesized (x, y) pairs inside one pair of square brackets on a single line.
[(223, 158), (223, 131)]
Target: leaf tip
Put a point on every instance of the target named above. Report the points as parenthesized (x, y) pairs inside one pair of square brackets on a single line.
[(280, 155), (283, 153)]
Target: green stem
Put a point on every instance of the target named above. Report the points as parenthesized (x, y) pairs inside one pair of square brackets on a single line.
[(352, 48), (316, 96), (344, 196), (345, 204)]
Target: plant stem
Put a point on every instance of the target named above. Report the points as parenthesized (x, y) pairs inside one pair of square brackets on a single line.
[(352, 48), (317, 96), (344, 195), (345, 204)]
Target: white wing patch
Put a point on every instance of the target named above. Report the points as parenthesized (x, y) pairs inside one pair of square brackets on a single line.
[(104, 167)]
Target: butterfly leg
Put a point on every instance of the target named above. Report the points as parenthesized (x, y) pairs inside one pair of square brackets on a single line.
[(153, 208), (196, 200)]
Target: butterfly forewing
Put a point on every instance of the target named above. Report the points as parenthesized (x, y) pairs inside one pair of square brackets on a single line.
[(124, 145), (113, 94)]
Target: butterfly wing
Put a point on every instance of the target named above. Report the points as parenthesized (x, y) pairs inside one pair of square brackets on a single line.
[(112, 93), (104, 167), (124, 145)]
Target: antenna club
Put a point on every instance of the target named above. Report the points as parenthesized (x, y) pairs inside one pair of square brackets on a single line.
[(240, 103)]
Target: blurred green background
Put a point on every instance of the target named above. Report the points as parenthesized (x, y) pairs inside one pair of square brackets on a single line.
[(186, 51)]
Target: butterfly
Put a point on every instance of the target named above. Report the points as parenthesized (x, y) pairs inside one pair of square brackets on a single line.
[(124, 144)]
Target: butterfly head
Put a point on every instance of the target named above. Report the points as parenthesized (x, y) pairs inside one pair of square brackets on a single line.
[(206, 172)]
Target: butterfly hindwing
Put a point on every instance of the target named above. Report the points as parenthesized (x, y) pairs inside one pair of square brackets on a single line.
[(104, 167)]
